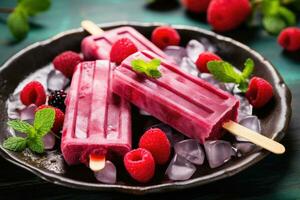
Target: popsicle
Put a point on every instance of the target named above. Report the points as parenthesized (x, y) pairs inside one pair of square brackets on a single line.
[(189, 104), (97, 122), (98, 45)]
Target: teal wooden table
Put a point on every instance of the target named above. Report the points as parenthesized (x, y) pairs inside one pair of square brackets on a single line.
[(276, 177)]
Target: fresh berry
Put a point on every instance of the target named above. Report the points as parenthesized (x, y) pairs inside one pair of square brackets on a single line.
[(289, 38), (140, 164), (226, 15), (59, 118), (57, 99), (164, 36), (196, 6), (121, 49), (203, 59), (66, 62), (156, 141), (259, 92), (33, 93)]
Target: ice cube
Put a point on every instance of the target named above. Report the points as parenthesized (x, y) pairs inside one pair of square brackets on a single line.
[(245, 106), (108, 174), (14, 105), (251, 122), (210, 79), (28, 112), (208, 45), (218, 152), (180, 169), (176, 53), (56, 81), (188, 66), (191, 150), (193, 49), (244, 148), (173, 136), (49, 140)]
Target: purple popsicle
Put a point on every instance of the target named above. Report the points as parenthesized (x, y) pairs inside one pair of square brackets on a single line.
[(188, 104), (97, 122)]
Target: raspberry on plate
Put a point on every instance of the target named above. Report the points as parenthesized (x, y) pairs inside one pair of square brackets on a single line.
[(259, 92), (66, 62), (226, 15), (140, 164), (196, 6), (59, 118), (121, 49), (156, 141), (203, 59), (164, 36), (33, 93), (57, 99), (289, 38)]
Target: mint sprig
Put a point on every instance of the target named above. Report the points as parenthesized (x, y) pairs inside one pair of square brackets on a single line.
[(18, 19), (150, 68), (225, 72), (276, 14), (43, 122)]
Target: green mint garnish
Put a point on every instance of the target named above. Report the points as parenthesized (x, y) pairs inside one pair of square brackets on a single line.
[(43, 122), (276, 14), (225, 72), (150, 68), (18, 19)]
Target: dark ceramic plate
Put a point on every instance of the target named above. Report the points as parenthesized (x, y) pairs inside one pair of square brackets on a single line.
[(51, 167)]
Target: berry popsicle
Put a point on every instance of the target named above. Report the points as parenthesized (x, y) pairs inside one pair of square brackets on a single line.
[(98, 45), (192, 106), (97, 122)]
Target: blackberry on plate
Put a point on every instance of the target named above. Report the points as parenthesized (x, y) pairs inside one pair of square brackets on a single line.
[(57, 99)]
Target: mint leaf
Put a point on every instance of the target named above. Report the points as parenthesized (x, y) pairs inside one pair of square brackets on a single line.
[(44, 120), (224, 72), (249, 67), (32, 7), (273, 24), (17, 23), (15, 143), (243, 86), (288, 16), (20, 126), (148, 68), (270, 7), (36, 144)]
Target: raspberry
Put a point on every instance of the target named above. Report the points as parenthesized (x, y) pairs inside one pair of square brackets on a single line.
[(164, 36), (57, 99), (66, 62), (140, 164), (203, 59), (225, 15), (196, 6), (59, 118), (259, 92), (33, 93), (156, 141), (121, 49), (289, 38)]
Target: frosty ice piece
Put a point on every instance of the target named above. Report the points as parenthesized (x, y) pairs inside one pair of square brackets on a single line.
[(97, 121)]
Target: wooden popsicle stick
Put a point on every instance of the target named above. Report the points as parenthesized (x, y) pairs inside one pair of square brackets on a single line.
[(254, 137), (91, 27), (97, 162)]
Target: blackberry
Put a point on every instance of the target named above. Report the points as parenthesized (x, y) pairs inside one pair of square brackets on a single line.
[(57, 99)]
